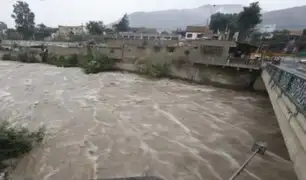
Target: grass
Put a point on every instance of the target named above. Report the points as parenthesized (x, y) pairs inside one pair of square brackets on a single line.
[(91, 63), (17, 141), (7, 56), (170, 49), (156, 65), (97, 62), (63, 61)]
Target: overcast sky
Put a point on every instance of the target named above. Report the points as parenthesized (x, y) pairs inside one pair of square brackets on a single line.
[(75, 12)]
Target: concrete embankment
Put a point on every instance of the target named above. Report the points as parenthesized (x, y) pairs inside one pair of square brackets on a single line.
[(292, 124), (221, 76)]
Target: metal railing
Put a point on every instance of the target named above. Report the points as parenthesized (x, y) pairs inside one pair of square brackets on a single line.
[(291, 84)]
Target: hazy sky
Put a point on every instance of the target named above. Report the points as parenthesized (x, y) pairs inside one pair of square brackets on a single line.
[(75, 12)]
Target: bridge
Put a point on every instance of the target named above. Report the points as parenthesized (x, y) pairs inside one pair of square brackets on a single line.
[(286, 87)]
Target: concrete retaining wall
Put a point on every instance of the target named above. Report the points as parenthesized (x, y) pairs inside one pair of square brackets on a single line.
[(221, 76), (292, 124)]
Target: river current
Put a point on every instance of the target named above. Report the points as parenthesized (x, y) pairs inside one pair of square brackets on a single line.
[(118, 124)]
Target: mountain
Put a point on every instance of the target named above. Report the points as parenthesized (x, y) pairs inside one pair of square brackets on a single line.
[(291, 18), (179, 18)]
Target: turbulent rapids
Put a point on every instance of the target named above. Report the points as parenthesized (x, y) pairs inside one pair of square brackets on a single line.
[(117, 125)]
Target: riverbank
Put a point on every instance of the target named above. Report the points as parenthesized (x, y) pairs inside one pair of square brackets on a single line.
[(159, 65)]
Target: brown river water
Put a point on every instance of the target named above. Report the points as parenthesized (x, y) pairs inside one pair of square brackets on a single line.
[(118, 124)]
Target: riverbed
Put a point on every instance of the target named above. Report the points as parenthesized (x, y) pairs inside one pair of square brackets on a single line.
[(118, 124)]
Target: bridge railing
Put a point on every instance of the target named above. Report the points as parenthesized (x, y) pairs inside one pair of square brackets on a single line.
[(291, 84)]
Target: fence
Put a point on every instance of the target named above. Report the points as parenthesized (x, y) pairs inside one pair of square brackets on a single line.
[(292, 85)]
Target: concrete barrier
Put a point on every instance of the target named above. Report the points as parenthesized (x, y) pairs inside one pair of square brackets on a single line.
[(222, 76), (290, 113)]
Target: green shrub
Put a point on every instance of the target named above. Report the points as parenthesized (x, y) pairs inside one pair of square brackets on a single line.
[(157, 48), (17, 141), (156, 65), (141, 47), (170, 49), (187, 52), (51, 59), (7, 56), (72, 60), (63, 61), (28, 57), (97, 62)]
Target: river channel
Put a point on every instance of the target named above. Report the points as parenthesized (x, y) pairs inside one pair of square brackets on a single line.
[(118, 124)]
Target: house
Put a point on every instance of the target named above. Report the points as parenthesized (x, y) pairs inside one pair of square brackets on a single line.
[(267, 28), (197, 32), (144, 30), (67, 31), (295, 33)]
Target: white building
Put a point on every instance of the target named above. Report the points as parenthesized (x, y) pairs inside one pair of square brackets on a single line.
[(197, 32), (267, 28), (68, 31)]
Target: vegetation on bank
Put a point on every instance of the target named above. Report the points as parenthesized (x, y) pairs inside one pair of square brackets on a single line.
[(92, 62), (155, 66), (17, 141)]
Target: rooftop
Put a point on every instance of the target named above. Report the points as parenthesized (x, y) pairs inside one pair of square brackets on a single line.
[(198, 29)]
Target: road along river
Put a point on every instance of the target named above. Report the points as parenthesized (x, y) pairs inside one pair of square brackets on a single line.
[(118, 124)]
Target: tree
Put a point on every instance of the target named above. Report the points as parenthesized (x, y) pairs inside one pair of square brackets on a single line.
[(179, 32), (3, 26), (95, 27), (42, 31), (218, 22), (12, 34), (165, 33), (248, 19), (24, 19), (123, 25), (224, 22), (304, 32)]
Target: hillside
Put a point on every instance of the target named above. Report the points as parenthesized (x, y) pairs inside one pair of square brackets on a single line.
[(291, 18), (170, 19), (180, 18)]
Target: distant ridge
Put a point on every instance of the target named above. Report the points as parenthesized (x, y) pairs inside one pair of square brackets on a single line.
[(290, 18)]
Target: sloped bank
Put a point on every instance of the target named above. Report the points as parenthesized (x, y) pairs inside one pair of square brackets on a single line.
[(158, 65), (219, 76)]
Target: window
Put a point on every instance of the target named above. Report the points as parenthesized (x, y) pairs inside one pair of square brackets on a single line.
[(199, 35), (189, 35)]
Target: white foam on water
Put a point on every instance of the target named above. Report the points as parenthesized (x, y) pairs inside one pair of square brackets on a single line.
[(133, 108), (4, 94), (172, 118), (245, 98), (51, 173), (252, 175)]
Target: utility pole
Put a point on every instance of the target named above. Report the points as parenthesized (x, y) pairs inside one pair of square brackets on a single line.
[(258, 148)]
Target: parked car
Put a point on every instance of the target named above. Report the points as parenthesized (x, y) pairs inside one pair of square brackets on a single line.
[(302, 61)]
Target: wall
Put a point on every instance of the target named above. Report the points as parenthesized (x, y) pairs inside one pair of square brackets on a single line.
[(215, 75), (291, 120), (37, 43)]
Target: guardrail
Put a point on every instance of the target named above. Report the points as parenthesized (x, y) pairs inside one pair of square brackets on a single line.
[(292, 85)]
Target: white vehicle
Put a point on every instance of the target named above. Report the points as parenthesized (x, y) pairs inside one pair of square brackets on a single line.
[(303, 61)]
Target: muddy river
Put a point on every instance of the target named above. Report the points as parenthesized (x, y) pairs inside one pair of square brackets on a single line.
[(119, 124)]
